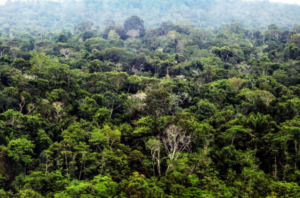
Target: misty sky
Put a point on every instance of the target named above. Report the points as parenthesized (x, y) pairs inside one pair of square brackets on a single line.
[(283, 1), (286, 1)]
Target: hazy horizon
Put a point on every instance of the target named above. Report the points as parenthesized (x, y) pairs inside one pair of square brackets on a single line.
[(200, 13), (2, 2)]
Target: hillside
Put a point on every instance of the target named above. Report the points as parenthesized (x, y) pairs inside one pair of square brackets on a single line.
[(128, 111)]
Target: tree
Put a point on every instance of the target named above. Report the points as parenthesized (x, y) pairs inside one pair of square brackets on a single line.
[(296, 40), (133, 80), (116, 55), (135, 103), (21, 150), (105, 185), (44, 46), (88, 108), (28, 193), (138, 156), (84, 26), (137, 185), (86, 35), (105, 135), (65, 52), (157, 102), (19, 63), (224, 53), (95, 43), (260, 126), (4, 50), (135, 23), (113, 101), (117, 78), (39, 61), (236, 82), (259, 96), (100, 186), (232, 133), (154, 145), (102, 116), (112, 35), (177, 100), (205, 109), (84, 150), (175, 141), (62, 38), (59, 108)]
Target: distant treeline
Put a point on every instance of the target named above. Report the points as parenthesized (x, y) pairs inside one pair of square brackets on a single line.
[(51, 16)]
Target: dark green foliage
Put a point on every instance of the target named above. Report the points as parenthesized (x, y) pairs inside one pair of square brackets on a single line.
[(62, 38), (134, 23)]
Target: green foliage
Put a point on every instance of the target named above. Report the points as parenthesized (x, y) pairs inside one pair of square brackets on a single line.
[(171, 111), (20, 150), (157, 102), (100, 186)]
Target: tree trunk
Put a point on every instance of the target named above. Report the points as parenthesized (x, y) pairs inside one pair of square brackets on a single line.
[(80, 172)]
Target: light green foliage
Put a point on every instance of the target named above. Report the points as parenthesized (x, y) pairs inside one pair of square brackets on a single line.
[(133, 81), (28, 193), (112, 35), (105, 136), (137, 185), (88, 108), (20, 150), (100, 186), (97, 43)]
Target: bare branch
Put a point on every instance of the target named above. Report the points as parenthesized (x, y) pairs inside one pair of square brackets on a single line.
[(175, 141)]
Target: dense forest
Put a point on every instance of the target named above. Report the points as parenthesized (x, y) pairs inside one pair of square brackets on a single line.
[(49, 16), (129, 111)]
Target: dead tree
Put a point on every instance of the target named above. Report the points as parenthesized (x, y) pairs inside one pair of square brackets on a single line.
[(65, 52), (175, 142)]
